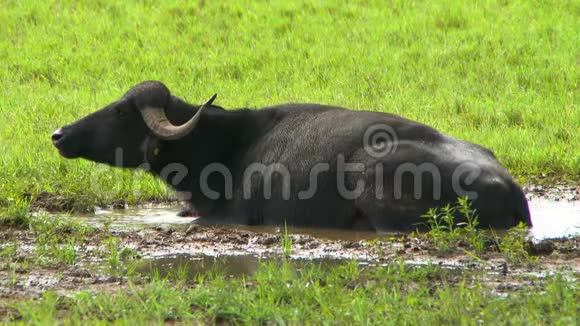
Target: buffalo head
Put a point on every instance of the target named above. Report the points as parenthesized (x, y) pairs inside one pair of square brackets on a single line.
[(124, 126)]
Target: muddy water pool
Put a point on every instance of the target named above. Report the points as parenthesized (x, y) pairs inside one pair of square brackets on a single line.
[(239, 250), (156, 234), (551, 219)]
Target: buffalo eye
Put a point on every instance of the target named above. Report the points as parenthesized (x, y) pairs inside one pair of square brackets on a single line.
[(121, 113)]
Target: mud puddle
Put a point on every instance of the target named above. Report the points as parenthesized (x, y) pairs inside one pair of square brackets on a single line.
[(189, 267), (243, 247), (173, 253)]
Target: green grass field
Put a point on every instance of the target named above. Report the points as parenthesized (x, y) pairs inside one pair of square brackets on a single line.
[(499, 73)]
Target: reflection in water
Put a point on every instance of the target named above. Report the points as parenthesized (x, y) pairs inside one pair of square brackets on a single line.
[(136, 217), (551, 219), (554, 219), (189, 267)]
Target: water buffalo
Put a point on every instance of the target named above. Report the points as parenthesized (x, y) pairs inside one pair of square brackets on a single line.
[(299, 164)]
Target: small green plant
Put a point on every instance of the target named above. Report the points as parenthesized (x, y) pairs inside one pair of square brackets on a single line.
[(107, 225), (54, 227), (514, 245), (441, 223), (44, 312), (50, 249), (180, 272), (17, 214), (131, 270), (472, 235), (128, 253), (9, 250), (57, 238), (445, 233), (114, 257), (12, 278), (377, 246), (286, 242), (65, 252)]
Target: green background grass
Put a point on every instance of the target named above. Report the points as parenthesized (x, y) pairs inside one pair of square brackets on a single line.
[(499, 73)]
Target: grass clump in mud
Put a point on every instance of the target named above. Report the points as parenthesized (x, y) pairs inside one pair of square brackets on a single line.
[(16, 214), (45, 225), (58, 239), (55, 239), (448, 236), (115, 254), (284, 292), (445, 233), (286, 242), (515, 246)]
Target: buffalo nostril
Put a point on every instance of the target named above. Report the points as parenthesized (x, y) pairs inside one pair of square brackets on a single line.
[(57, 135)]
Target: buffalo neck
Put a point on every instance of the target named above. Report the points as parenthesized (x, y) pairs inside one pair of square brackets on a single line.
[(221, 137)]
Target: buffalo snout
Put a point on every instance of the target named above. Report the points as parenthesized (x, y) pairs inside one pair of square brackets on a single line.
[(57, 136)]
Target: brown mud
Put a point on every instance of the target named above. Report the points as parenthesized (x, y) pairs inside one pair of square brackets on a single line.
[(555, 192), (238, 251)]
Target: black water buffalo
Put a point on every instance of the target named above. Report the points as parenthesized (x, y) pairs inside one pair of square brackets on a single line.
[(299, 164)]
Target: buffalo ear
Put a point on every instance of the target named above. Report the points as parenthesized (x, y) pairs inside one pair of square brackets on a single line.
[(149, 94)]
